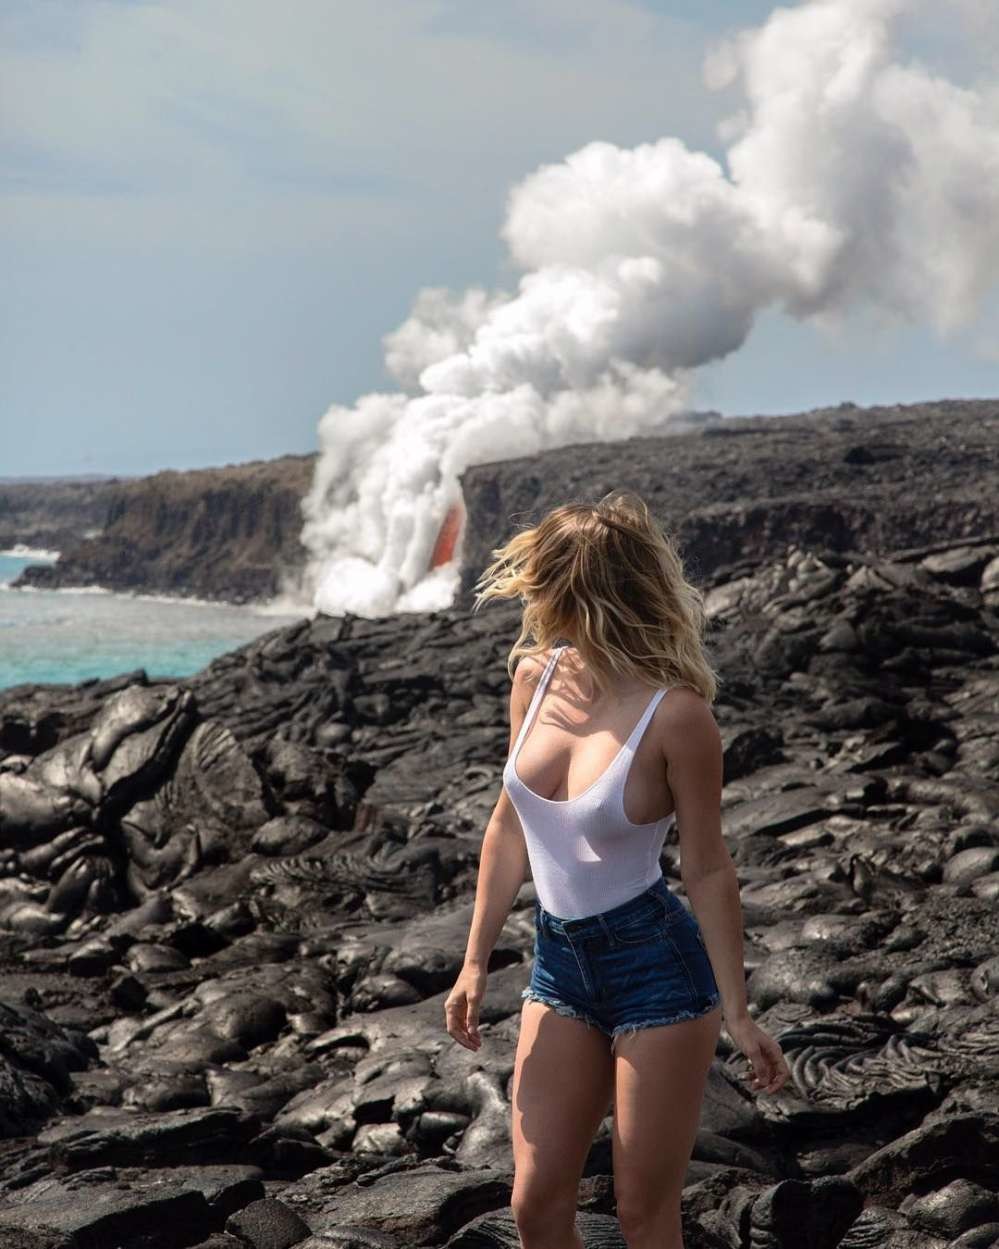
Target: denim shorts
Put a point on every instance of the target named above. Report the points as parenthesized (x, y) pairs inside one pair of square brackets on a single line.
[(639, 965)]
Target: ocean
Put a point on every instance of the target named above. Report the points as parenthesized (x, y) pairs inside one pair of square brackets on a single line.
[(70, 635)]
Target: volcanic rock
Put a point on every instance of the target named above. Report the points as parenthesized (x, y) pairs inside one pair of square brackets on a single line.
[(233, 905)]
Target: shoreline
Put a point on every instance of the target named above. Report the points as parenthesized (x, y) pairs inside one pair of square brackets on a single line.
[(20, 551), (49, 632), (277, 606)]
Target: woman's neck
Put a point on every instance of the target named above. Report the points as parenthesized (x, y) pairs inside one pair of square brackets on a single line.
[(577, 669)]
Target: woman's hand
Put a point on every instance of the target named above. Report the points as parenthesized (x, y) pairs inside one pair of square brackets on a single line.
[(461, 1007), (768, 1067)]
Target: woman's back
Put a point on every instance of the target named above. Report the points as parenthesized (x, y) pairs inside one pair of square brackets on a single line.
[(586, 853)]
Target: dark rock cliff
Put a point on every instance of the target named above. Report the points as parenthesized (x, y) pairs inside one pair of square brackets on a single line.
[(847, 478), (52, 512), (226, 533)]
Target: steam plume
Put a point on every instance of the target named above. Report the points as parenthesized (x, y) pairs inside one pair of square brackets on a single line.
[(852, 180)]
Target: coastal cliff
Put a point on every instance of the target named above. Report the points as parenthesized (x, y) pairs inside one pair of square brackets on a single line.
[(744, 489), (217, 533), (873, 479), (51, 513)]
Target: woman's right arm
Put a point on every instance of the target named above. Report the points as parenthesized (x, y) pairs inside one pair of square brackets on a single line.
[(503, 868)]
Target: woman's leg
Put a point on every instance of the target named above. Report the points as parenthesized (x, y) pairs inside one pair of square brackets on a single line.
[(562, 1086), (659, 1079)]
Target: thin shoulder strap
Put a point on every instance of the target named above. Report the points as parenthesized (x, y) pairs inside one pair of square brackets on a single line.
[(532, 706), (647, 714)]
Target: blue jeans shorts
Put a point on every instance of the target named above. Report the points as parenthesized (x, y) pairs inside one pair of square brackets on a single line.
[(639, 965)]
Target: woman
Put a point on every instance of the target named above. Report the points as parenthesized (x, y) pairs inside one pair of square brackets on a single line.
[(611, 739)]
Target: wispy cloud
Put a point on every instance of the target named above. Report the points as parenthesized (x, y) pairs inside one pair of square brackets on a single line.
[(334, 97)]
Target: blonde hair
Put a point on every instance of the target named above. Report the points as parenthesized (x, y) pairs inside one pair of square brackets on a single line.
[(609, 576)]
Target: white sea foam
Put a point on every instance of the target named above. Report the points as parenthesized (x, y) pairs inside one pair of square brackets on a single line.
[(20, 551), (65, 589), (282, 605)]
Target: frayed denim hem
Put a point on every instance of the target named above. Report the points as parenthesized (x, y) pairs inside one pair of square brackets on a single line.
[(560, 1008), (679, 1017), (570, 1012)]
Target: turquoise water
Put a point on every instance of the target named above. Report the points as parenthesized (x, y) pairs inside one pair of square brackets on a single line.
[(70, 635)]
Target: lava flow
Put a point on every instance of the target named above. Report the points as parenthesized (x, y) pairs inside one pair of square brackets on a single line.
[(447, 536)]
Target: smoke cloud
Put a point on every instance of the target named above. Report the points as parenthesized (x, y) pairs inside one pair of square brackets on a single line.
[(853, 180)]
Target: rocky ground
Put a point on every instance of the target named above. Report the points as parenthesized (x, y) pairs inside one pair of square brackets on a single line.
[(232, 907)]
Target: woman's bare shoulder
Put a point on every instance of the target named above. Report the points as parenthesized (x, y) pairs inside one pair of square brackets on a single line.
[(525, 681), (686, 718), (526, 676), (530, 667)]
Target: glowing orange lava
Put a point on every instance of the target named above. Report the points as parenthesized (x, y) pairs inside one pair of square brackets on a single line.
[(447, 537)]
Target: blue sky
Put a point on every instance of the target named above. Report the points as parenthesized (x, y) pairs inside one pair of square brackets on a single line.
[(212, 210)]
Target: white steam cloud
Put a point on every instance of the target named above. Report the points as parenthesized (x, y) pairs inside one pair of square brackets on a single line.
[(852, 180)]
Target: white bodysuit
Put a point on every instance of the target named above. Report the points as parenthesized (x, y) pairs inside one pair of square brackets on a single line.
[(586, 856)]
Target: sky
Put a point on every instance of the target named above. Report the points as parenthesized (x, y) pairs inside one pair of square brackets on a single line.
[(211, 211)]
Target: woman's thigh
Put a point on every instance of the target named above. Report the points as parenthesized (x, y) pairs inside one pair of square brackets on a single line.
[(659, 1079), (562, 1090)]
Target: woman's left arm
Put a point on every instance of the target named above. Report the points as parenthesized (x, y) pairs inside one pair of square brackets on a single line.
[(693, 751)]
